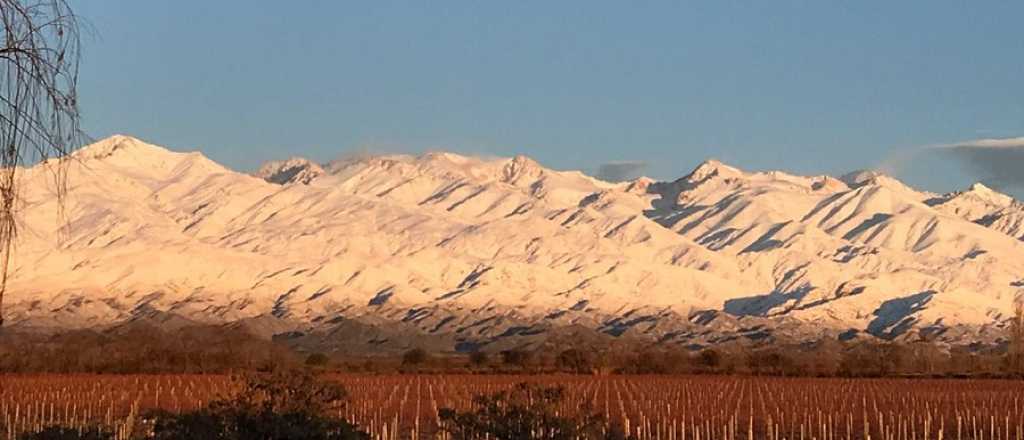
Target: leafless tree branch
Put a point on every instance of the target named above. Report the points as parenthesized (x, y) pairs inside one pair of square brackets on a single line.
[(39, 114)]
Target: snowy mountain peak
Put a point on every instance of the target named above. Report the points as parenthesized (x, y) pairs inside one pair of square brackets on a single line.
[(712, 168), (861, 177), (639, 185), (988, 195), (294, 170), (519, 167), (874, 178), (445, 156), (117, 143), (828, 183), (977, 199), (979, 187)]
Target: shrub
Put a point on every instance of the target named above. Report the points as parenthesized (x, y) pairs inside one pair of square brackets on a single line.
[(518, 358), (710, 358), (575, 361), (64, 433), (525, 412), (653, 361), (478, 358), (317, 360), (415, 356), (276, 406), (771, 362)]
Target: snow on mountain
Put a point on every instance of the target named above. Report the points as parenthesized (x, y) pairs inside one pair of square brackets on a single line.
[(985, 206), (294, 170), (380, 252)]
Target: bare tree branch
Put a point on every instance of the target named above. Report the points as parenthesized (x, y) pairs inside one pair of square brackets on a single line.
[(1015, 351), (39, 114)]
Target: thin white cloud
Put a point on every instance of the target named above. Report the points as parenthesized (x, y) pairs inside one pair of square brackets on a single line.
[(992, 143)]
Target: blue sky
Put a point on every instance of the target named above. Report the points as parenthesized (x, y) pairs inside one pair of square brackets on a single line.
[(810, 87)]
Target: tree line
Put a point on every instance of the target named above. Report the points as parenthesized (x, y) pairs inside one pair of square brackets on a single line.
[(825, 359), (141, 348)]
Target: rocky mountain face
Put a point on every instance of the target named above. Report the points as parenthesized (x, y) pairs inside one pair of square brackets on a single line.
[(452, 253)]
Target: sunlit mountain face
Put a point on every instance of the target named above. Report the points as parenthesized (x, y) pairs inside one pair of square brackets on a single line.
[(457, 252)]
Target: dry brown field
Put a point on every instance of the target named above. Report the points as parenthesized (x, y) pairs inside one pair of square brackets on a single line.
[(649, 407)]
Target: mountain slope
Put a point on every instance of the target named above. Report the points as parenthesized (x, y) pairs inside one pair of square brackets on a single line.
[(457, 252)]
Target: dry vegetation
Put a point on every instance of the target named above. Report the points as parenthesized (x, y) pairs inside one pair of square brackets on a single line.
[(647, 407), (32, 402)]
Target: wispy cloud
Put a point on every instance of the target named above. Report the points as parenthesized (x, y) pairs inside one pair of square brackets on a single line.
[(991, 143), (620, 171), (999, 162)]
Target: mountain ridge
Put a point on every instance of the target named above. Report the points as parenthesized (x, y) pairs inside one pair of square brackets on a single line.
[(471, 252)]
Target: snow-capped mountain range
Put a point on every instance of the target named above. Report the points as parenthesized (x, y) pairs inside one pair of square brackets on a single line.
[(456, 252)]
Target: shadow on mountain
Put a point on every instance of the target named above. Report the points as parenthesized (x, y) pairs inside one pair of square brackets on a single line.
[(761, 305), (665, 208), (866, 225), (767, 241), (893, 317)]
